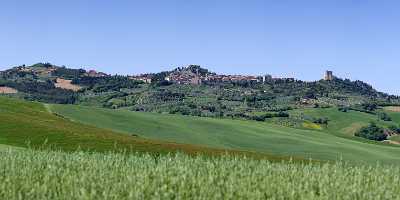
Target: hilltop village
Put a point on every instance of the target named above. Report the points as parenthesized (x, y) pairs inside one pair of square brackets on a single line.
[(195, 75), (191, 74), (59, 84)]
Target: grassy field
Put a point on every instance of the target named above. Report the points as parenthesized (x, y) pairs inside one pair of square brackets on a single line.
[(57, 175), (237, 134), (394, 115), (343, 123), (24, 124)]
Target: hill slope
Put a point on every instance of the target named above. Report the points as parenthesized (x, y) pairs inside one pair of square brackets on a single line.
[(342, 123), (189, 90), (31, 124), (233, 134)]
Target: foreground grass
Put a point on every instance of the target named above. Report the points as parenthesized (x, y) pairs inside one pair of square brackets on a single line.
[(57, 175), (241, 135), (6, 147)]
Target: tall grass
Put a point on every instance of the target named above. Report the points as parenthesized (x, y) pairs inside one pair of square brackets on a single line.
[(29, 174)]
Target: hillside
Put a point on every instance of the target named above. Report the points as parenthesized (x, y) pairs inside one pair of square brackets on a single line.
[(193, 106), (30, 124), (190, 90), (243, 135)]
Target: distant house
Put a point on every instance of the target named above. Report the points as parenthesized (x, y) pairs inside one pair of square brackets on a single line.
[(94, 73), (145, 79), (267, 78)]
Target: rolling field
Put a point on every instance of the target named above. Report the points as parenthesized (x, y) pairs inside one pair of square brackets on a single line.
[(237, 134), (394, 115), (343, 123), (29, 124), (59, 175)]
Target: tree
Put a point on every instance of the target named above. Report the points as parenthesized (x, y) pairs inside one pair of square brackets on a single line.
[(395, 129), (372, 132)]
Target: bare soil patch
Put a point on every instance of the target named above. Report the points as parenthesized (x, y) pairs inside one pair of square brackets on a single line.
[(7, 90), (392, 142), (393, 108), (66, 84)]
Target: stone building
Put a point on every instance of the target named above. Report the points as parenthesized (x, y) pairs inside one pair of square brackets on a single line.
[(196, 80), (328, 75)]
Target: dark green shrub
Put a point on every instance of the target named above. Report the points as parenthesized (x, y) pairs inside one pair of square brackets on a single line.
[(369, 106), (372, 132), (343, 109), (395, 129), (282, 114), (322, 120)]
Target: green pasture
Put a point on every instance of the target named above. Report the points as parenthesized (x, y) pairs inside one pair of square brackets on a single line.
[(242, 135)]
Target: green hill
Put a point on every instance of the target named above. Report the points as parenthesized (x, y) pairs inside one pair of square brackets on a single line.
[(218, 95), (395, 115), (343, 123), (239, 134), (30, 124)]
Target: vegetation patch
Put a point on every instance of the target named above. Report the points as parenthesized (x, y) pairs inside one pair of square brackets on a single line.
[(311, 125), (372, 132), (353, 128), (327, 144), (384, 116)]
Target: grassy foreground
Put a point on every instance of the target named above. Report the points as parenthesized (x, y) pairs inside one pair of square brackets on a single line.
[(57, 175), (242, 135)]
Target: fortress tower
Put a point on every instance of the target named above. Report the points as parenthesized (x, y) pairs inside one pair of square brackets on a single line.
[(328, 76)]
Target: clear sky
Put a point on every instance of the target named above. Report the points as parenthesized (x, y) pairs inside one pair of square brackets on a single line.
[(357, 39)]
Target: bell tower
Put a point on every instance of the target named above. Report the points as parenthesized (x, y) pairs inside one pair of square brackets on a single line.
[(328, 76)]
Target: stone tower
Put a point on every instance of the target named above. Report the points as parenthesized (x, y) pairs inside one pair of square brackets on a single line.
[(328, 75)]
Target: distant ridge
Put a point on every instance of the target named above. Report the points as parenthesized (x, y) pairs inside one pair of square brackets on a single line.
[(190, 90)]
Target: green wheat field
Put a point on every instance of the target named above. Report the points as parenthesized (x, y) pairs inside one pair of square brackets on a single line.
[(31, 174)]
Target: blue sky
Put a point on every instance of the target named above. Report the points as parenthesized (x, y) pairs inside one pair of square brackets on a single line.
[(354, 38)]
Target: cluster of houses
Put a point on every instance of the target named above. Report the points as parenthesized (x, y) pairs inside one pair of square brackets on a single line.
[(191, 75), (195, 78), (40, 71), (146, 78), (94, 73), (184, 75)]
